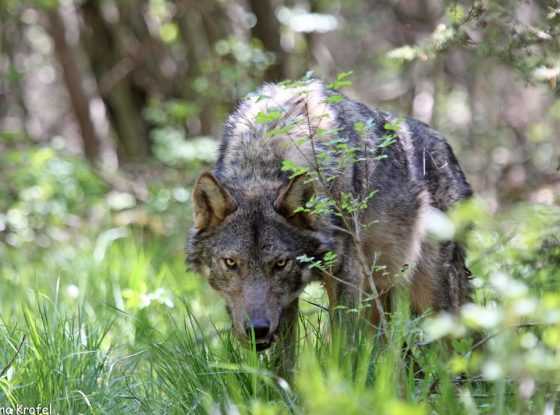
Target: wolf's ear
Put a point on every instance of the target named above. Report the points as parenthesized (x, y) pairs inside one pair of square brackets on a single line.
[(292, 196), (211, 202)]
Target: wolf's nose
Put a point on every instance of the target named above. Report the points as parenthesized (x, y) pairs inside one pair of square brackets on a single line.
[(260, 326)]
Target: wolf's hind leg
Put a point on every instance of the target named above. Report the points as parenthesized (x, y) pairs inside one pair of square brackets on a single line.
[(441, 280), (455, 277)]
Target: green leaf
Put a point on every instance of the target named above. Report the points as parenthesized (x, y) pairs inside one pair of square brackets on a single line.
[(341, 81), (267, 117), (334, 99), (291, 167), (360, 127), (169, 32)]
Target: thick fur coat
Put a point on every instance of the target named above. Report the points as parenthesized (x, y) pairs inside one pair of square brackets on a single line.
[(248, 232)]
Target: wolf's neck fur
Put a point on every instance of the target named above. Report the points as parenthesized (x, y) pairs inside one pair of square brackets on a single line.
[(273, 125)]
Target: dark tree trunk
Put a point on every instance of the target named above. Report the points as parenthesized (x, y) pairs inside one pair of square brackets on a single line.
[(73, 81), (201, 26), (12, 87), (112, 68), (267, 30), (197, 46)]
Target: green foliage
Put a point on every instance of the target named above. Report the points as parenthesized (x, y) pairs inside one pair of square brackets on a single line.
[(170, 143), (41, 192), (342, 80), (515, 317), (172, 148), (532, 49), (324, 264), (200, 370), (267, 117), (173, 112), (61, 363), (292, 168)]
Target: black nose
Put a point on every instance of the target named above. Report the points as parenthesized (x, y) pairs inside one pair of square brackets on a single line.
[(260, 326)]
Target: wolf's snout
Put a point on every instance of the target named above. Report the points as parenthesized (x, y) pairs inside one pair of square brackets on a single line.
[(260, 326)]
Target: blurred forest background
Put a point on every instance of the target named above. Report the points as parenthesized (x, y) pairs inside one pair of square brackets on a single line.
[(109, 109), (130, 81)]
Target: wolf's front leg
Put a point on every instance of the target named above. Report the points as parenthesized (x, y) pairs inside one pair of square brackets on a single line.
[(346, 289), (345, 300), (284, 353), (352, 297)]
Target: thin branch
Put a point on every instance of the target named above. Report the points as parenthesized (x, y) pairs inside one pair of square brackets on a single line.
[(313, 149), (366, 273)]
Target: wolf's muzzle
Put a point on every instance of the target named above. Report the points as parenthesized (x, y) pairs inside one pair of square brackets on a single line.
[(261, 328)]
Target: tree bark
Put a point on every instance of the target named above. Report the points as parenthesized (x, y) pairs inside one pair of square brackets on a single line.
[(11, 87), (73, 82), (189, 20), (201, 26), (267, 30), (112, 68)]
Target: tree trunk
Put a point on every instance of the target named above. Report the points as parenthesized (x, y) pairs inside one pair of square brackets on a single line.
[(112, 69), (267, 30), (12, 86), (189, 20), (201, 26), (73, 82)]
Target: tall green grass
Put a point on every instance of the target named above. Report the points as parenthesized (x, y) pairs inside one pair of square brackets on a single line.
[(61, 362), (114, 324)]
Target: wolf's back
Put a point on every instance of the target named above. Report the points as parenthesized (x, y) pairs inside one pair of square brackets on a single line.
[(275, 124)]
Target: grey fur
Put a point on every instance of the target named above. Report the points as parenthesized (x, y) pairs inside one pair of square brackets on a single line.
[(244, 209)]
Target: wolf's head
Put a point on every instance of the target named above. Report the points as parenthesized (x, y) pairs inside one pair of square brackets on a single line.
[(246, 242)]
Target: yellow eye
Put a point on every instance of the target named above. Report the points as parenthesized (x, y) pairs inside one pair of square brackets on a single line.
[(281, 263), (230, 263)]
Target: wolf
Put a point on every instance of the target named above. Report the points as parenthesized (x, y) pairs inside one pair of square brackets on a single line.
[(251, 231)]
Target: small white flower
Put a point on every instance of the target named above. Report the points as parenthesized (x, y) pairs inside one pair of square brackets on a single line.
[(181, 194), (507, 286), (552, 316), (492, 370), (10, 373), (544, 73), (443, 325), (120, 200), (525, 307), (160, 296), (529, 340), (73, 291), (481, 317), (439, 225)]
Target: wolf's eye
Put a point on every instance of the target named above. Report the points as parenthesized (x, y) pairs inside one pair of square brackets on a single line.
[(281, 263), (230, 263)]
